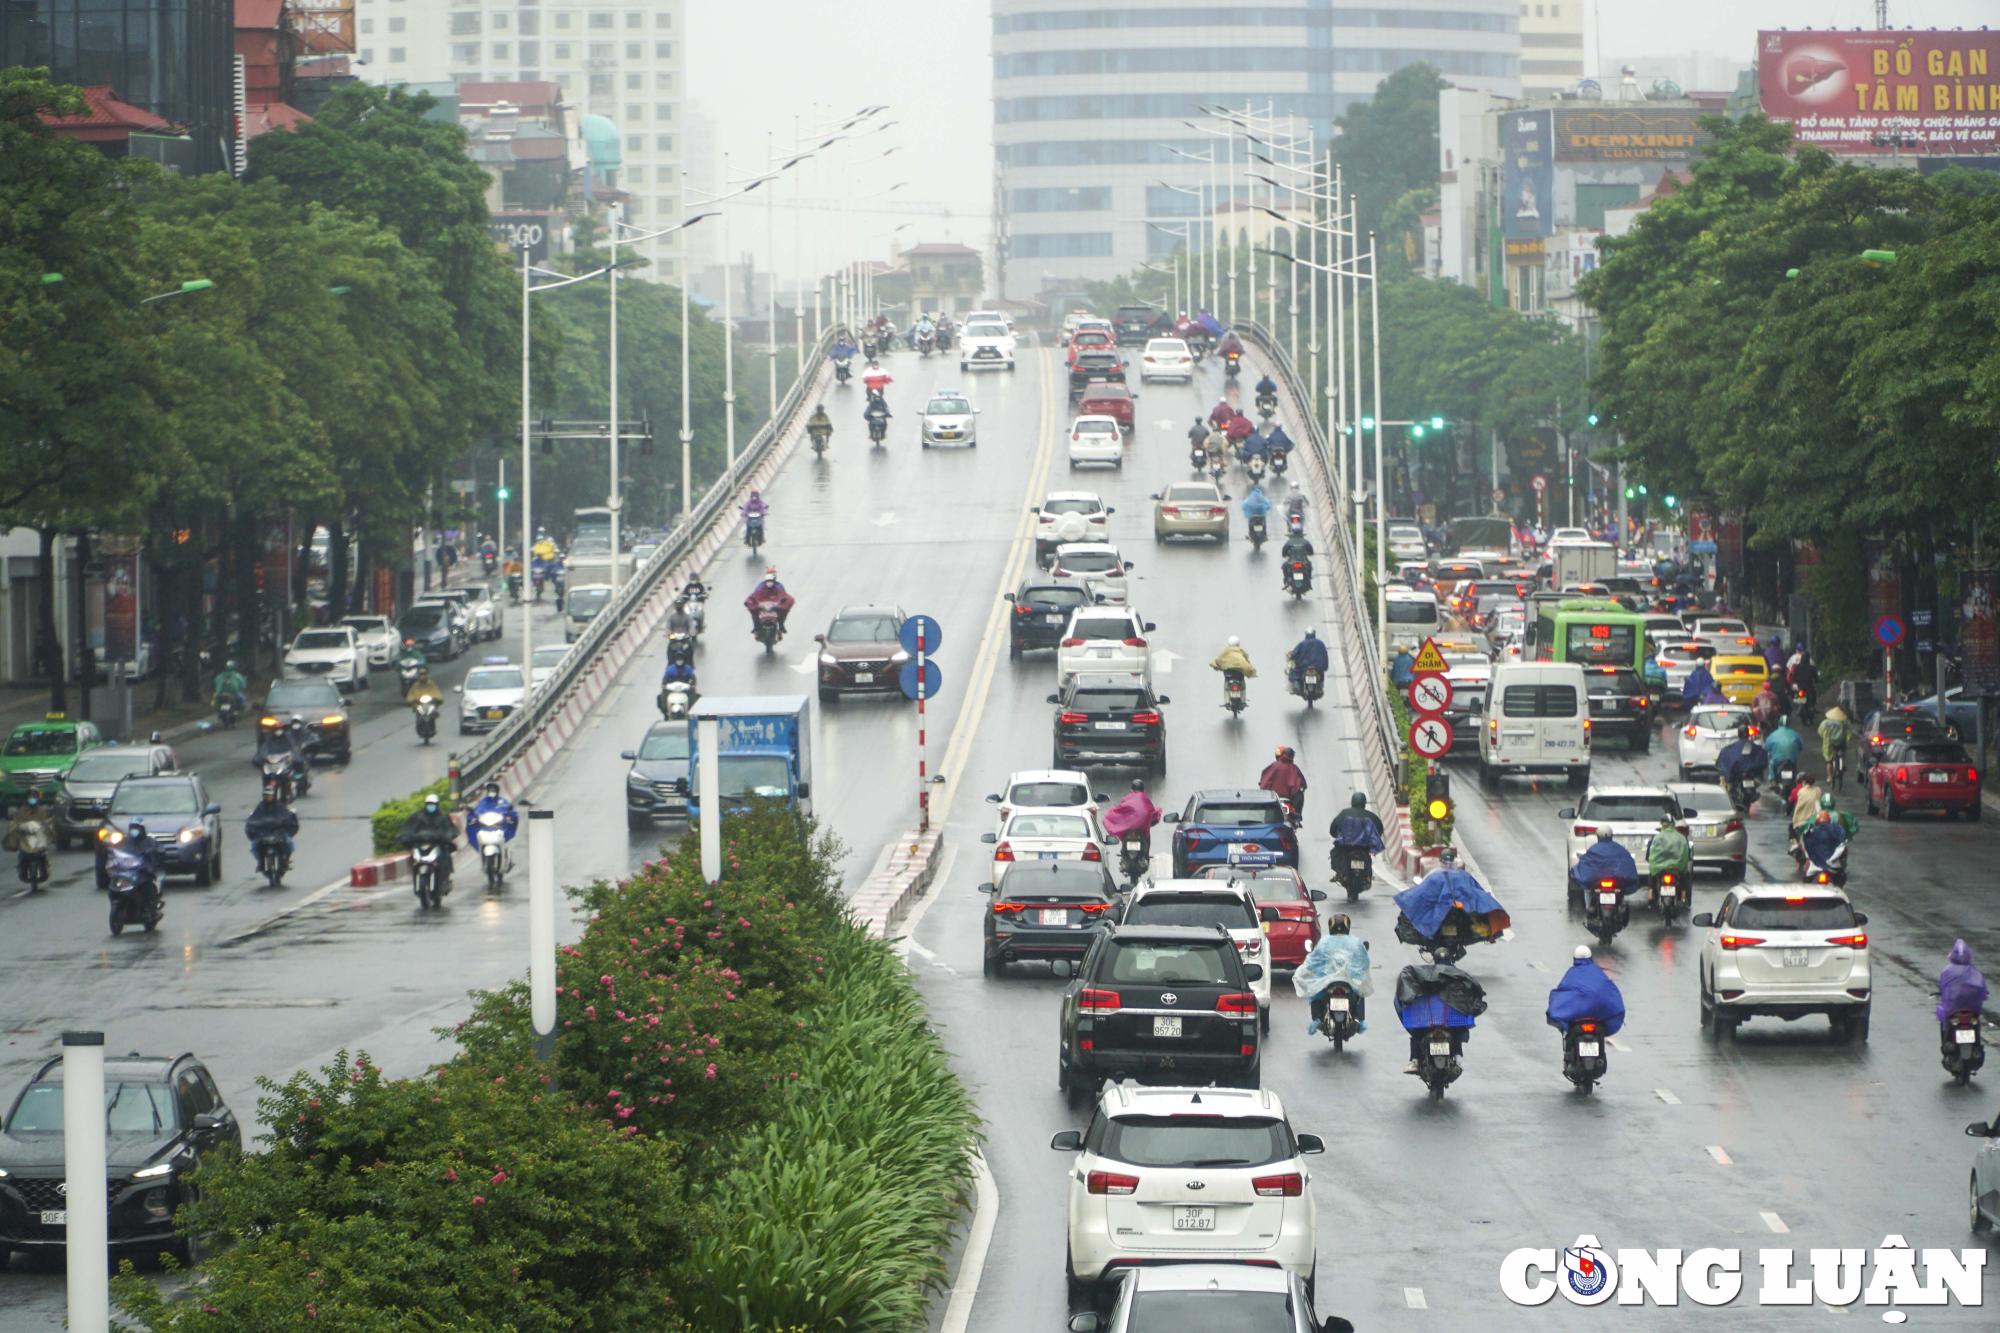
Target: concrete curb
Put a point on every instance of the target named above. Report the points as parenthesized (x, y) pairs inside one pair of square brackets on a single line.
[(882, 899)]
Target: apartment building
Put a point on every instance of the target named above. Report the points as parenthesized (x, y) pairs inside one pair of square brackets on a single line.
[(1551, 47)]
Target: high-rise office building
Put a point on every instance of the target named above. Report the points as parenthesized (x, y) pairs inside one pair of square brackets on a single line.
[(1551, 47), (1090, 97), (620, 59)]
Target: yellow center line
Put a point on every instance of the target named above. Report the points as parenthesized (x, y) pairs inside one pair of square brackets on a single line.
[(980, 683)]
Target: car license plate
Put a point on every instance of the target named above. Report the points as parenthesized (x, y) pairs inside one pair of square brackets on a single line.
[(1795, 958), (987, 351), (55, 1218), (1589, 1048), (1965, 1036), (1937, 777), (1707, 830), (864, 678), (1440, 1048), (947, 435), (1055, 916), (1337, 1006), (1165, 1026), (1194, 1218), (1052, 617), (495, 712), (1046, 856), (1109, 726)]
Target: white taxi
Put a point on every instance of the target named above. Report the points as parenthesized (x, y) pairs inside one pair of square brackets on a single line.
[(492, 690)]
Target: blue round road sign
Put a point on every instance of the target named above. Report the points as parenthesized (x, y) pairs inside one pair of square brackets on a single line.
[(1889, 631), (933, 678), (928, 628)]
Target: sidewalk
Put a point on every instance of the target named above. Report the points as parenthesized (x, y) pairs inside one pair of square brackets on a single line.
[(30, 703)]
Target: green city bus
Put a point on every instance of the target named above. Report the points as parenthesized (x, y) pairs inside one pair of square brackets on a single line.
[(1591, 631)]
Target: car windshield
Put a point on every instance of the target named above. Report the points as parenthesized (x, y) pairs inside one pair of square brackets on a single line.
[(1061, 594), (755, 775), (1072, 507), (1109, 701), (1212, 1312), (1705, 798), (131, 1110), (153, 798), (1404, 612), (1102, 627), (1737, 669), (586, 602), (1172, 346), (1107, 393), (1191, 1140), (1049, 826), (1236, 814), (1192, 909), (318, 640), (551, 655), (665, 745), (1792, 914), (1187, 491), (109, 767), (494, 678), (1720, 719), (1088, 562), (1615, 682), (1642, 809), (861, 629), (1101, 427), (366, 624), (948, 407), (1938, 754), (1412, 535), (61, 741), (1048, 793), (1910, 724), (423, 617), (302, 695), (1153, 964), (986, 331)]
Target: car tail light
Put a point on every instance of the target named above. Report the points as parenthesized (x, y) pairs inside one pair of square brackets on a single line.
[(1288, 1186), (1045, 518), (1074, 436), (1217, 512), (1023, 610), (1902, 773), (1858, 940), (1004, 852), (1872, 740), (1092, 909), (1072, 643), (1584, 830), (1170, 511), (1145, 358), (1733, 826), (1240, 1002), (1688, 731), (1091, 853), (1110, 1182), (1135, 643), (1734, 942), (1075, 719), (1972, 775), (1147, 719), (1493, 727), (1098, 1001), (1002, 909)]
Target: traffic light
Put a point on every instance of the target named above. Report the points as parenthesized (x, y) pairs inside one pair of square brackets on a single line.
[(1668, 500), (1416, 430), (1437, 423), (1631, 492), (505, 494), (1592, 418), (1437, 796), (1368, 423)]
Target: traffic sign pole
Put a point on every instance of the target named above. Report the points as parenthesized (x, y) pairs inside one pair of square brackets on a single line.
[(923, 750), (920, 637)]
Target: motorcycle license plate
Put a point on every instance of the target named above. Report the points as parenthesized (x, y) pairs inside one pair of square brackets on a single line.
[(1164, 1026), (493, 713), (1937, 777), (1608, 899), (57, 1217), (1440, 1048), (1795, 958), (1589, 1048), (1054, 916), (1965, 1036), (864, 678), (1337, 1006), (1193, 1218)]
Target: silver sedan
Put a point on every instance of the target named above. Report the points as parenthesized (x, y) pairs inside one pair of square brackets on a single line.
[(1716, 836)]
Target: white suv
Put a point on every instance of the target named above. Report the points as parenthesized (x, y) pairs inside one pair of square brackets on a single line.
[(1208, 902), (1632, 814), (985, 341), (1177, 1175), (1785, 950), (1095, 565), (1069, 516), (1104, 639)]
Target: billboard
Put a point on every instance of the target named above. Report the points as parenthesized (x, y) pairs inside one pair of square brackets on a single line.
[(1862, 92), (1642, 134), (1528, 207)]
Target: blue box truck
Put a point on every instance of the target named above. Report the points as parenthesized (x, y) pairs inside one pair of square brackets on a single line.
[(764, 748)]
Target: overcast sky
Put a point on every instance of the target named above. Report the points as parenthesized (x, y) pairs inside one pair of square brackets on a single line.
[(754, 65)]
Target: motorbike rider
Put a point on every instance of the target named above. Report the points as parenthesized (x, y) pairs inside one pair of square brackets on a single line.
[(1741, 758), (422, 688), (1698, 684), (1283, 777), (1267, 387), (1804, 677), (1784, 746), (877, 410), (843, 350), (769, 593), (875, 379), (1403, 667), (230, 681), (1278, 441), (30, 814), (1585, 992), (510, 570), (1668, 851), (1230, 345), (819, 425), (284, 740), (430, 824), (1848, 823), (1239, 429), (1297, 546), (490, 799), (1337, 957), (1805, 804), (1823, 837), (1836, 733), (1765, 709), (1135, 813), (754, 507), (1960, 986), (1198, 434), (1254, 445), (271, 818), (543, 549), (1357, 826), (678, 619), (1221, 414), (152, 857), (1308, 653), (1233, 658), (1605, 859), (1256, 504)]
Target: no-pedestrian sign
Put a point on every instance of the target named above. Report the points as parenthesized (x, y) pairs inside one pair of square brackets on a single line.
[(1431, 737), (1430, 694), (1889, 631)]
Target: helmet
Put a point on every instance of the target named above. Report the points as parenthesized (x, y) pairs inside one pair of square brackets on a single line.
[(1138, 784), (1826, 800), (297, 724), (1603, 834), (430, 800), (1311, 633), (1447, 856), (1338, 924), (492, 788), (136, 829), (1359, 801), (1582, 952), (770, 572), (230, 665), (1235, 642), (1666, 821), (753, 493)]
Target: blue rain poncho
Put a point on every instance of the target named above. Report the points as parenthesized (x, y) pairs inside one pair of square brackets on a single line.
[(1335, 958), (1439, 995), (1605, 860), (1429, 901), (1585, 992)]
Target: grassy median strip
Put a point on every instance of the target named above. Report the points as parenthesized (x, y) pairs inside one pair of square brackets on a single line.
[(748, 1125)]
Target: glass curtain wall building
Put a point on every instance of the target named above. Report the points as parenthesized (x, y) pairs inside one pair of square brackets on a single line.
[(1089, 97)]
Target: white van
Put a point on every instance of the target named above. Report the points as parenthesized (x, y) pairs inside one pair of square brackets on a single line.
[(580, 604), (1535, 719), (1413, 617)]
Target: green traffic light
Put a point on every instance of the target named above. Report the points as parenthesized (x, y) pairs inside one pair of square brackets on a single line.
[(1668, 500), (504, 494), (1642, 490), (1592, 418), (1368, 423), (1416, 432), (1437, 423)]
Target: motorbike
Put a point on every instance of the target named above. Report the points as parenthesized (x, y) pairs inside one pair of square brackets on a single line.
[(878, 429), (944, 338), (842, 372), (1353, 870), (1294, 816), (1267, 403), (495, 852), (427, 719), (697, 606), (285, 773), (1312, 685), (1233, 697), (135, 893), (1743, 790), (1832, 870), (767, 631), (1279, 455), (228, 708), (1605, 911), (1215, 468), (869, 347), (1584, 1061), (677, 696), (1784, 788), (1966, 1051), (1439, 1064), (819, 439), (926, 342), (1232, 364), (1256, 466), (430, 873), (1258, 533), (680, 650), (33, 844), (489, 562), (273, 860), (1339, 1025), (1198, 458), (1134, 857), (1670, 893), (1298, 579), (407, 669), (753, 531), (514, 587)]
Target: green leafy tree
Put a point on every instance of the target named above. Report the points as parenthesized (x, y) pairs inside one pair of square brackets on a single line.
[(1388, 145)]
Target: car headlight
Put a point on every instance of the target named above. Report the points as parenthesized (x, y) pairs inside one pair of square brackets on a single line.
[(828, 659), (900, 656), (190, 834), (165, 1168)]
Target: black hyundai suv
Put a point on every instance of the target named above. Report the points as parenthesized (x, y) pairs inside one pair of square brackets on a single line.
[(163, 1116), (1110, 719), (1041, 609), (1171, 1004), (1047, 910)]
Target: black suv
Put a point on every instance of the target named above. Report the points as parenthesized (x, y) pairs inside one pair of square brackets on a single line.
[(1040, 612), (1134, 324), (1094, 367), (1620, 706), (1048, 910), (177, 813), (163, 1115), (656, 786), (1172, 1003), (1110, 719), (322, 707)]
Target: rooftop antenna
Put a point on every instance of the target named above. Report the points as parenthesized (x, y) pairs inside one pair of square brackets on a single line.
[(1881, 15)]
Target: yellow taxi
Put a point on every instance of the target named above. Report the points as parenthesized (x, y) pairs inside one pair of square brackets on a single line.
[(1739, 678)]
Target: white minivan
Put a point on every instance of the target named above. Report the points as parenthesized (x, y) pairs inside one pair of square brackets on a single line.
[(1413, 617), (1535, 719)]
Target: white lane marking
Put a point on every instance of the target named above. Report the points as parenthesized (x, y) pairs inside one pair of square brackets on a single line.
[(1666, 1097), (1776, 1223), (884, 519), (1165, 423), (921, 952), (958, 1312), (907, 927), (1538, 965), (807, 663), (1413, 1298), (1164, 659), (1617, 1045), (1721, 1157)]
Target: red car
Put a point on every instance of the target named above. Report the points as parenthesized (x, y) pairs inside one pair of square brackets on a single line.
[(1923, 775), (1297, 931), (1088, 340), (1107, 400)]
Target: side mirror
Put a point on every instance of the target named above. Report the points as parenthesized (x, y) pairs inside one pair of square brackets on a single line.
[(819, 638), (805, 791), (995, 798), (1253, 971), (989, 837), (213, 808), (1108, 512), (1150, 497), (1310, 1143), (1148, 626), (207, 1123), (1101, 799), (1319, 895), (1567, 812), (1689, 812), (1702, 919), (1229, 497), (1269, 914), (458, 689), (1335, 1324), (1068, 1141), (987, 888), (1084, 1323), (1055, 699), (1979, 1129), (1861, 918), (1163, 699), (628, 755), (1173, 818), (1009, 596)]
